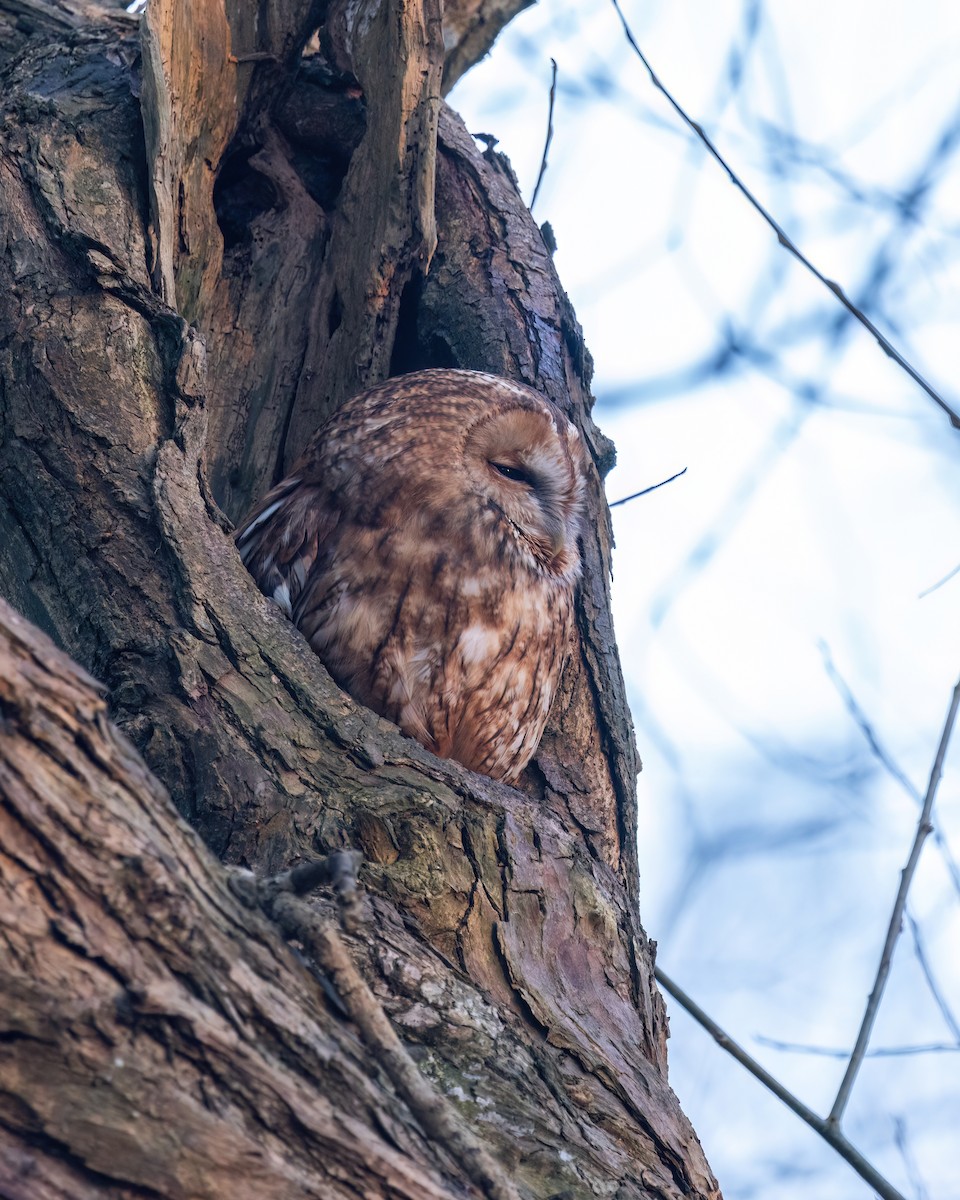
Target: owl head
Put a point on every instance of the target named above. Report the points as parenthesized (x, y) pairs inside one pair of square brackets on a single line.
[(482, 464), (525, 462)]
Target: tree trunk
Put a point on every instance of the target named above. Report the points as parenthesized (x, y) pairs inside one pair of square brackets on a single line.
[(204, 248)]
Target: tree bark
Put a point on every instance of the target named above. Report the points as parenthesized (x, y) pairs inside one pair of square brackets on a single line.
[(183, 297)]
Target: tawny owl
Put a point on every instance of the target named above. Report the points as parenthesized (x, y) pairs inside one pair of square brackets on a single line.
[(426, 544)]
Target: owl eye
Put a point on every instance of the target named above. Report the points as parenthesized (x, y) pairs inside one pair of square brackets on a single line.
[(517, 474)]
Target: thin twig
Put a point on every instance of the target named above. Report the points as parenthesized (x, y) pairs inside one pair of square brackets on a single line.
[(945, 1011), (546, 144), (940, 582), (886, 761), (836, 1052), (862, 723), (902, 1143), (830, 1133), (652, 488), (924, 827), (885, 344)]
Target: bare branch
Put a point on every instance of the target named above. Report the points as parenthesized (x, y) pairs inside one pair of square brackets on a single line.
[(945, 1011), (906, 1154), (863, 723), (885, 344), (470, 27), (884, 758), (940, 582), (653, 487), (829, 1132), (836, 1052), (549, 139), (924, 827)]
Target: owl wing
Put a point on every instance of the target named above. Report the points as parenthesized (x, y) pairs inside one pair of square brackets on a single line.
[(282, 538)]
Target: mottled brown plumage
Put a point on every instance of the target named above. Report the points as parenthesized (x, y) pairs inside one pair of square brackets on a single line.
[(426, 545)]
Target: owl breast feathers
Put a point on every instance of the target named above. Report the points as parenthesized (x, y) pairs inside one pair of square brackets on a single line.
[(426, 544)]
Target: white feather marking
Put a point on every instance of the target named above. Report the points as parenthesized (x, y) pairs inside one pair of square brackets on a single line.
[(471, 587), (478, 643), (264, 516), (281, 596)]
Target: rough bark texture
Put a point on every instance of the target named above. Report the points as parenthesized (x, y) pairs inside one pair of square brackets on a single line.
[(287, 211), (156, 1031)]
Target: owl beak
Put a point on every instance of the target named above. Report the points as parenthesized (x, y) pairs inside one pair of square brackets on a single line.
[(558, 537)]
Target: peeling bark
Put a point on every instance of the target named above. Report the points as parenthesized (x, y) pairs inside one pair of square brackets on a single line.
[(181, 301)]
